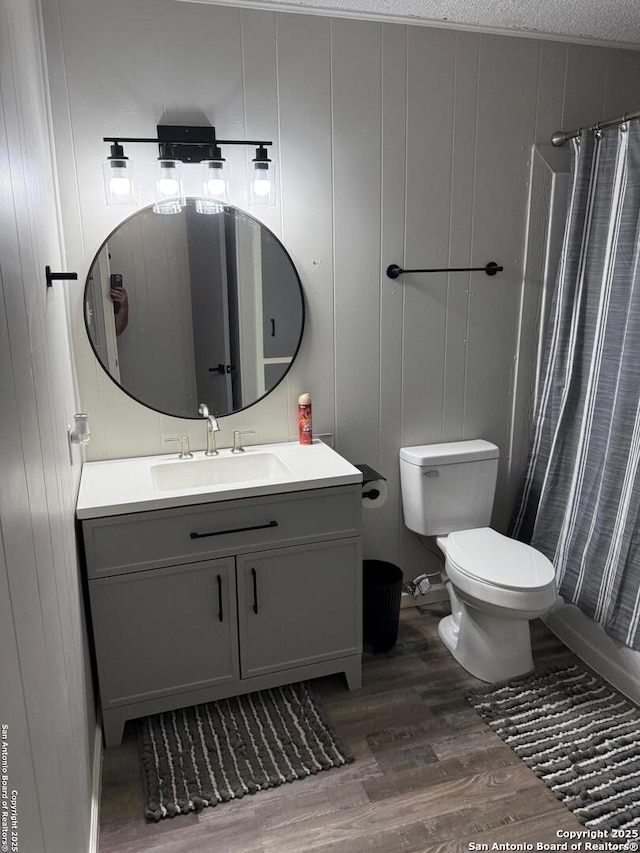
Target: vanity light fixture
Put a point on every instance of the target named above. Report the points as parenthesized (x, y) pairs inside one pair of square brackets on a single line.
[(170, 196), (262, 184), (185, 144), (215, 175), (119, 185), (214, 183)]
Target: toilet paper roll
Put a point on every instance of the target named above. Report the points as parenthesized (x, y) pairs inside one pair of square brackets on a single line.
[(374, 501)]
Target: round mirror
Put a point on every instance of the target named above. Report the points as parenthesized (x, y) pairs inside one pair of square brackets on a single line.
[(194, 308)]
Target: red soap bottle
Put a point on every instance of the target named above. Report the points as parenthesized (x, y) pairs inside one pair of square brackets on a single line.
[(305, 429)]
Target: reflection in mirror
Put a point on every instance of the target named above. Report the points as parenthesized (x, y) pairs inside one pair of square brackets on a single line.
[(192, 308)]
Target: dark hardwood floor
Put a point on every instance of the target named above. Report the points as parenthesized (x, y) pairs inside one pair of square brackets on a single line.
[(429, 775)]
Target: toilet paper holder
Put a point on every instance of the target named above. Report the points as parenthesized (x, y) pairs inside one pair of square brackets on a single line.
[(369, 475)]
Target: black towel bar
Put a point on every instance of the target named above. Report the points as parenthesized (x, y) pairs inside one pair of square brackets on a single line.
[(393, 270)]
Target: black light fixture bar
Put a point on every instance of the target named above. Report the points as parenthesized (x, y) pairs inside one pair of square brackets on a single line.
[(394, 271), (187, 143), (216, 141)]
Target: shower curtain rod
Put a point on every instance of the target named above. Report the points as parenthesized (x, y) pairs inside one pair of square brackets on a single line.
[(561, 136)]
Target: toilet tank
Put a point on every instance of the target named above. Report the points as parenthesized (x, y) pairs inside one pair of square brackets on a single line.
[(447, 487)]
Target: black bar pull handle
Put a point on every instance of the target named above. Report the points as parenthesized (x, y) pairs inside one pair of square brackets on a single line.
[(220, 598), (255, 591), (234, 530), (273, 328), (394, 271)]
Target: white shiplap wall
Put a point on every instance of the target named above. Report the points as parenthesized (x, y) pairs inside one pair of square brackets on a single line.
[(46, 697), (395, 144)]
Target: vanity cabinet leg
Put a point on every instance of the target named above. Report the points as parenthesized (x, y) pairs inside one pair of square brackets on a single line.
[(113, 727), (353, 672)]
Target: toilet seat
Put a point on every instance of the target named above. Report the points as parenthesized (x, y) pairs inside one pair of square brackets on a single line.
[(484, 555)]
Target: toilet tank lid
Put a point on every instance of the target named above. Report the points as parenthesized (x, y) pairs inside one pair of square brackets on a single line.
[(449, 453)]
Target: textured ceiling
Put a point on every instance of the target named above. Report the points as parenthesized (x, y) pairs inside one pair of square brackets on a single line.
[(599, 20)]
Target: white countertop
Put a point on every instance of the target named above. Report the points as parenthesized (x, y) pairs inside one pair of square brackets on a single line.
[(119, 486)]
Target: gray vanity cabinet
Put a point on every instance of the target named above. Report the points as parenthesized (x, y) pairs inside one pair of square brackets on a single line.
[(195, 603)]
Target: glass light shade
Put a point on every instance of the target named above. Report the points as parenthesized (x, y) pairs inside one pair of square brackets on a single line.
[(214, 179), (169, 188), (119, 186), (262, 181)]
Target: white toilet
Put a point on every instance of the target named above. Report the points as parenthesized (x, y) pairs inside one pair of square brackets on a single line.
[(496, 584)]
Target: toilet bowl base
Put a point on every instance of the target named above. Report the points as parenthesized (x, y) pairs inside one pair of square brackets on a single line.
[(492, 648)]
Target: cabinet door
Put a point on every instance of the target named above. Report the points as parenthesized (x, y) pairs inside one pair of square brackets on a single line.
[(165, 631), (299, 605)]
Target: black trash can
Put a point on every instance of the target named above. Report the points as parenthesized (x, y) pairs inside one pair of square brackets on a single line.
[(381, 593)]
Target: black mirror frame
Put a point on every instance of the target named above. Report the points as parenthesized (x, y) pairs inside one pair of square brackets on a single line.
[(196, 416)]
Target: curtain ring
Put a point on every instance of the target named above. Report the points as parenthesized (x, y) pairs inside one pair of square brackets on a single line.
[(595, 129)]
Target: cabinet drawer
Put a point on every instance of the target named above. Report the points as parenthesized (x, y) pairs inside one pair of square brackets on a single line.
[(132, 543)]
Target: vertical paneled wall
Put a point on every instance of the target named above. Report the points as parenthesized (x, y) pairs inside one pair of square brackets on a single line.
[(395, 144), (46, 697)]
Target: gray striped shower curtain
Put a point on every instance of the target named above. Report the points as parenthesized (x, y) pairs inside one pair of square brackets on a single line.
[(580, 502)]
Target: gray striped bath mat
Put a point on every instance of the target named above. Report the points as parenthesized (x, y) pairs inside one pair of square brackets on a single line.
[(213, 753), (578, 734)]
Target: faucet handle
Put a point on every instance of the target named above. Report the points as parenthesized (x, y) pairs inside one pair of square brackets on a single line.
[(185, 453), (237, 439)]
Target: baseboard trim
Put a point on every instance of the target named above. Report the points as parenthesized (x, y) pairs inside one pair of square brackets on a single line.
[(96, 790), (614, 661)]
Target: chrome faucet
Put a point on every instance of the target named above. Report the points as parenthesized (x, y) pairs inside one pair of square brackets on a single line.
[(212, 429)]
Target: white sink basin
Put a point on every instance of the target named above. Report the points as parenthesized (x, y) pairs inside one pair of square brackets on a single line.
[(217, 471), (139, 484)]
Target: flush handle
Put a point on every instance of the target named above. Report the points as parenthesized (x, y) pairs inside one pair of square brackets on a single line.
[(431, 475)]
